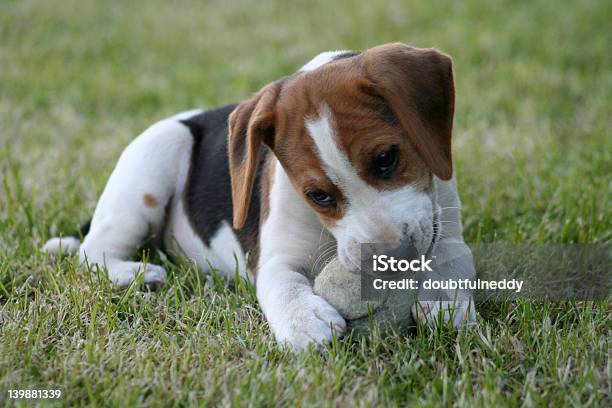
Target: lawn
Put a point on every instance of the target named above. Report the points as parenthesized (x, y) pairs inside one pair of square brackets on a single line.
[(533, 153)]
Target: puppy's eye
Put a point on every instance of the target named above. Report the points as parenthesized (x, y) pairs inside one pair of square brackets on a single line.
[(321, 198), (386, 162)]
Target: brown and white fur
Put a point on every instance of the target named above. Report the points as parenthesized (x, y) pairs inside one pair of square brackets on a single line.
[(287, 174)]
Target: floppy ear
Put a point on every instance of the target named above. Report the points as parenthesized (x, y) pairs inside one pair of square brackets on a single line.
[(250, 125), (417, 83)]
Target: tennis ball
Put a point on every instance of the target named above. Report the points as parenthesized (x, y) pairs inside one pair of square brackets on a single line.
[(342, 289)]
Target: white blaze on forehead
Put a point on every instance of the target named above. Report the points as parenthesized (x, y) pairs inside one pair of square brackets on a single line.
[(335, 163), (322, 59)]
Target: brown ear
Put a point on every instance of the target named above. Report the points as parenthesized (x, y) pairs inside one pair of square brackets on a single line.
[(418, 85), (250, 125)]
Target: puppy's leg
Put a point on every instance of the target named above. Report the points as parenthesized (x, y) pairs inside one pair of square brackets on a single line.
[(453, 261), (133, 204), (456, 262), (290, 235)]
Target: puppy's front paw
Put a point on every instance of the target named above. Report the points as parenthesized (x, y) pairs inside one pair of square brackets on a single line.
[(123, 274), (307, 319), (432, 312)]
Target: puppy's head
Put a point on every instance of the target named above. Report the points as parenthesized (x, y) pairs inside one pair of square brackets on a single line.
[(361, 138)]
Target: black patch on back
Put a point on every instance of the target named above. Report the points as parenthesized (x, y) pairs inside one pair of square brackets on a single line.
[(208, 194)]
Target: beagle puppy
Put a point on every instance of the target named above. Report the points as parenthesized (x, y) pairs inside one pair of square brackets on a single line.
[(353, 148)]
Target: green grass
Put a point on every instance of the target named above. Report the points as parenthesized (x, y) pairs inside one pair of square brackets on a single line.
[(533, 150)]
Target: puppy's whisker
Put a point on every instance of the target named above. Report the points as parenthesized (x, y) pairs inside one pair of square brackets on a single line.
[(321, 235), (326, 253), (323, 258), (323, 255)]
